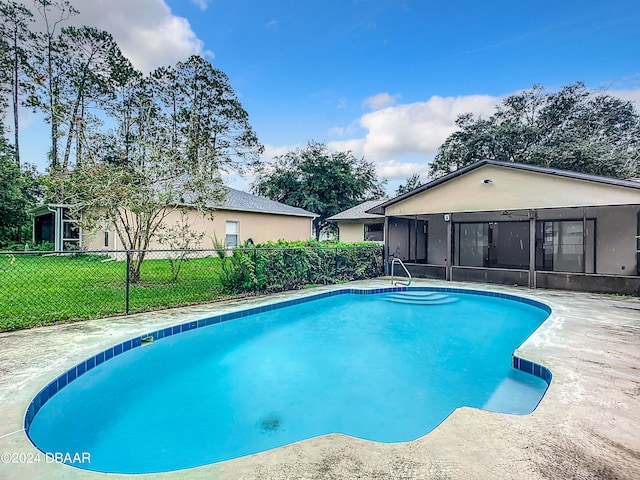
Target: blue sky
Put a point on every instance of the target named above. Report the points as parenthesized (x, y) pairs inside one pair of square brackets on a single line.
[(383, 78)]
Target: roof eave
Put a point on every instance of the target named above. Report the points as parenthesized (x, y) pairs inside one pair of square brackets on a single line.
[(270, 212), (380, 209)]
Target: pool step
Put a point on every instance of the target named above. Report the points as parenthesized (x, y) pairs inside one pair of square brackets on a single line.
[(421, 298), (411, 294)]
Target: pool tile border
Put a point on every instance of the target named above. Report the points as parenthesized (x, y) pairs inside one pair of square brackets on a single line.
[(90, 363)]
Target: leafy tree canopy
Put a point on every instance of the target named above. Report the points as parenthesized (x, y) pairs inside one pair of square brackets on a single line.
[(175, 132), (320, 181), (572, 129), (19, 189)]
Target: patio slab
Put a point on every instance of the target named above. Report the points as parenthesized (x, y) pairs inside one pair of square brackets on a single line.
[(586, 426)]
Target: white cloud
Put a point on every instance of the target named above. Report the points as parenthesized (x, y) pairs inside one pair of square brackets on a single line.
[(272, 24), (629, 95), (354, 145), (396, 170), (146, 31), (272, 151), (201, 4), (381, 100), (414, 129)]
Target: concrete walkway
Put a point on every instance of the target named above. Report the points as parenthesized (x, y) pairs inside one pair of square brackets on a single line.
[(586, 427)]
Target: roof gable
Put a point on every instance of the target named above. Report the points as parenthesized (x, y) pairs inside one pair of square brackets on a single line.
[(493, 185)]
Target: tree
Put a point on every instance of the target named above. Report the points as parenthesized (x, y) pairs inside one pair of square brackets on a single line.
[(93, 64), (12, 202), (50, 67), (139, 172), (19, 188), (320, 181), (179, 238), (15, 40), (410, 184), (572, 129)]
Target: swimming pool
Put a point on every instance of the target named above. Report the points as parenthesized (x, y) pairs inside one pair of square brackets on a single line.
[(386, 365)]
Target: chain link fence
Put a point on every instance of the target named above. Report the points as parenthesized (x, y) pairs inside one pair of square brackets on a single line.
[(40, 288)]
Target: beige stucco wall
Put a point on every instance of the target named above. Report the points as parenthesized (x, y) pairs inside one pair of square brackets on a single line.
[(511, 189), (260, 227), (351, 231)]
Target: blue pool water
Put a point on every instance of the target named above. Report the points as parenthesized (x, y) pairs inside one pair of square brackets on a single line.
[(362, 365)]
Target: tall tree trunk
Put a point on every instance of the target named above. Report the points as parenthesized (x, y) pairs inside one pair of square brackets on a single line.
[(16, 71), (54, 120), (16, 124)]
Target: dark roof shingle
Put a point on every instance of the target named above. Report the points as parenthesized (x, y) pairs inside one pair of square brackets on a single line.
[(246, 202), (359, 212)]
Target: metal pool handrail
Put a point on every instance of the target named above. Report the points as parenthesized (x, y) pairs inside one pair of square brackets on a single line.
[(398, 282)]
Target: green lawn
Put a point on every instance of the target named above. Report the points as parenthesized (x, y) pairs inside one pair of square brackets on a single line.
[(44, 289), (41, 290)]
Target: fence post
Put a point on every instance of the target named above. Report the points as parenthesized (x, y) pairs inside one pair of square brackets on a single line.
[(255, 270), (127, 282)]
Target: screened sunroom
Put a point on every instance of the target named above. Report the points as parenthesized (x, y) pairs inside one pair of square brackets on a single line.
[(517, 224)]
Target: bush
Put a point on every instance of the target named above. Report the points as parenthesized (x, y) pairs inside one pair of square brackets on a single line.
[(281, 265)]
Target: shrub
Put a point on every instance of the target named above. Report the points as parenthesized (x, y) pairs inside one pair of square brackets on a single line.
[(281, 265)]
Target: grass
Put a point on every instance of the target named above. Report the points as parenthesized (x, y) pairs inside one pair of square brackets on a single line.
[(38, 290), (42, 290)]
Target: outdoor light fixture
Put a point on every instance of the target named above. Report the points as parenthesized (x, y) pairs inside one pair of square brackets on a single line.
[(487, 181)]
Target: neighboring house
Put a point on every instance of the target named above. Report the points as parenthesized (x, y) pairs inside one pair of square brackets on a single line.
[(240, 218), (356, 225), (519, 224)]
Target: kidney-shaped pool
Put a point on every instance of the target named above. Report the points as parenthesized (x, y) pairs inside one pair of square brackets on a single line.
[(387, 365)]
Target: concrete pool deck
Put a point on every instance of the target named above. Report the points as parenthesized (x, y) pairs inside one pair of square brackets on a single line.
[(586, 427)]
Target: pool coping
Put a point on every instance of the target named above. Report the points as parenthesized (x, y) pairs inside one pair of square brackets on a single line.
[(524, 352), (80, 369)]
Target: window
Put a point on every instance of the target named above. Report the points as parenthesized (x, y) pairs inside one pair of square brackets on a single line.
[(374, 232), (231, 238), (106, 232)]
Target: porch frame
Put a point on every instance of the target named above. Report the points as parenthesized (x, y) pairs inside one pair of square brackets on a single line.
[(531, 277)]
